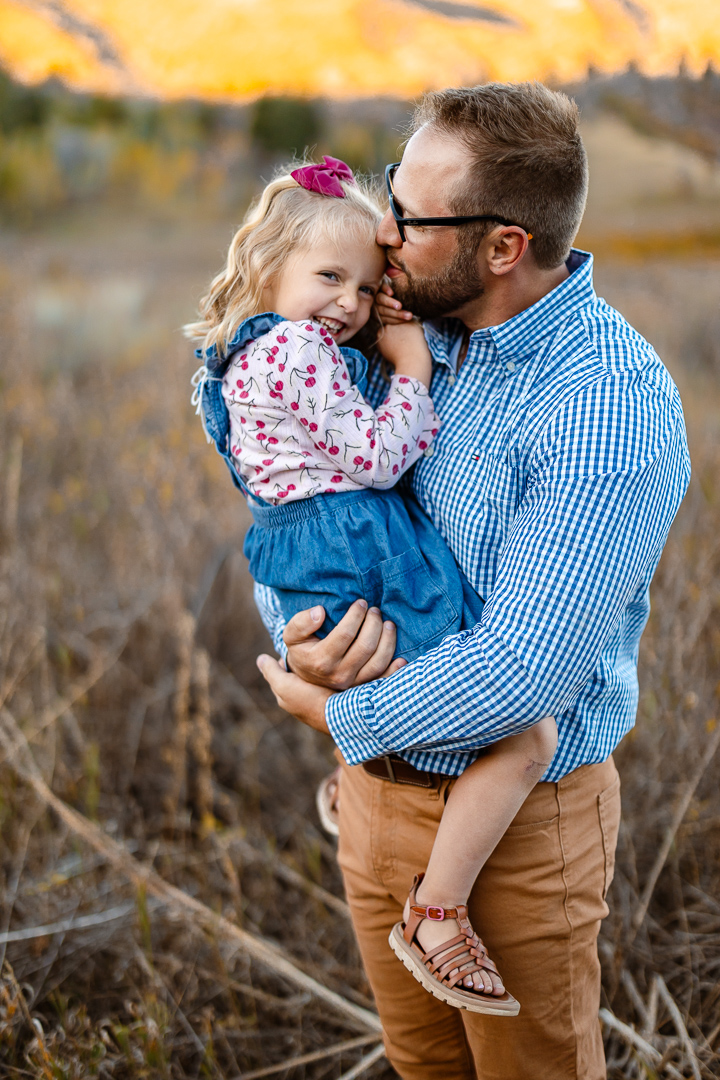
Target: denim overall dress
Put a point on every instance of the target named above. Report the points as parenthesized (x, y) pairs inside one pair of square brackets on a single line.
[(336, 548)]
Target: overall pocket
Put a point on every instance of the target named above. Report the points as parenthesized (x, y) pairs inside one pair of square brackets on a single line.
[(407, 594)]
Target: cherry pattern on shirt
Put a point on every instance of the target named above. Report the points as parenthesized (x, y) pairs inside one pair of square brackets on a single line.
[(299, 427)]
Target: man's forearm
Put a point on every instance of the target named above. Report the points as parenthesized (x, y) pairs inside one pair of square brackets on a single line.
[(564, 583)]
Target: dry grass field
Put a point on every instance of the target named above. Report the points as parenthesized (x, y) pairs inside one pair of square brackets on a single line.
[(159, 836)]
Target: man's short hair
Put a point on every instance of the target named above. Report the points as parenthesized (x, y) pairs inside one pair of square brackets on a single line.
[(528, 159)]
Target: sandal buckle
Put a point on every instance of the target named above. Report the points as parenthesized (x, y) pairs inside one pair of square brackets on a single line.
[(437, 914)]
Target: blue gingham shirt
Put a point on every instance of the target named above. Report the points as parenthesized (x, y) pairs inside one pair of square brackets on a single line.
[(559, 467)]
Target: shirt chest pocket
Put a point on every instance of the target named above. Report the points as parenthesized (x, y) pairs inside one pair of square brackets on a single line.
[(496, 498)]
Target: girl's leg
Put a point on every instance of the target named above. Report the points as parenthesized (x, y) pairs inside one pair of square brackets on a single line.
[(480, 807)]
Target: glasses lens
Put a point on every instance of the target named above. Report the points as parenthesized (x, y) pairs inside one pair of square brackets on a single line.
[(394, 205)]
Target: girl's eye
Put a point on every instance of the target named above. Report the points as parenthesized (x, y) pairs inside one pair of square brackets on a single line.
[(369, 289), (329, 274)]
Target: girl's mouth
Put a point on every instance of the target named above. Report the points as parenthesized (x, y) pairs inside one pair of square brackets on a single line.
[(333, 325)]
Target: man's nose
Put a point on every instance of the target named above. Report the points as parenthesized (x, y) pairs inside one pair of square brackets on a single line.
[(387, 234)]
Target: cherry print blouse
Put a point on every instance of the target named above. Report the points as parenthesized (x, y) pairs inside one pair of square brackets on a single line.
[(299, 427)]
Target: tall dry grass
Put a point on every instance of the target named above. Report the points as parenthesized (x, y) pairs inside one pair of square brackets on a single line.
[(141, 755)]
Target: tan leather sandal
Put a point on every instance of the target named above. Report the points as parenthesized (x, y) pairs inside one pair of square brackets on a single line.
[(326, 803), (433, 968)]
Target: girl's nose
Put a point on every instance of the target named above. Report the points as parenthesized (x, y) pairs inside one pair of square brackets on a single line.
[(348, 302)]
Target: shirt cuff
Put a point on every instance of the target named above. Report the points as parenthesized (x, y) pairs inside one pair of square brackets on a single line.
[(271, 614), (348, 717)]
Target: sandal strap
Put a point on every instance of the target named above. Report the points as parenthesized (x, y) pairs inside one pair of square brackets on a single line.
[(442, 912), (436, 957), (447, 957)]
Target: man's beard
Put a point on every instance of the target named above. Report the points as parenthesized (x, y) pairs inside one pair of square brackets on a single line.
[(442, 293)]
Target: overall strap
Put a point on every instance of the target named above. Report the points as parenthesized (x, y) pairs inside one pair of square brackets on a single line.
[(211, 408)]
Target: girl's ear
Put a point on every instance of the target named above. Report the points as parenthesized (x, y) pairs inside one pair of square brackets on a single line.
[(266, 292)]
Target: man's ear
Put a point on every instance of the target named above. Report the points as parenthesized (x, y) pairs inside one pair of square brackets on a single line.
[(505, 247)]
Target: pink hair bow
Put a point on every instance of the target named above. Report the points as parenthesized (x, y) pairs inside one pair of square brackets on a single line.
[(325, 179)]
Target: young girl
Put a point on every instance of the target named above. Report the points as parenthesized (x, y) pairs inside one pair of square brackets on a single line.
[(281, 395)]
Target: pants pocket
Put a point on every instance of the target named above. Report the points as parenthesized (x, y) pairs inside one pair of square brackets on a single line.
[(608, 802)]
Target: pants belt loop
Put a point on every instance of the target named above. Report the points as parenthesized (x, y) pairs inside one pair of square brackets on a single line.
[(390, 770)]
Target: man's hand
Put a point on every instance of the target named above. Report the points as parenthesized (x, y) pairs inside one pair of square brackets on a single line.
[(359, 649), (300, 699)]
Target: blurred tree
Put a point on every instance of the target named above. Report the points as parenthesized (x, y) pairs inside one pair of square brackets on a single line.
[(91, 110), (21, 106), (282, 125)]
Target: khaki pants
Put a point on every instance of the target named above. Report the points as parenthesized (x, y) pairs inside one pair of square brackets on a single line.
[(537, 905)]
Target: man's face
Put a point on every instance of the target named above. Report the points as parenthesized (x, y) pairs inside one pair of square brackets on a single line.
[(432, 273)]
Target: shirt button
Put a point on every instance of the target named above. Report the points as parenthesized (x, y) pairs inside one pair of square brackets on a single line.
[(452, 380), (510, 365), (430, 451)]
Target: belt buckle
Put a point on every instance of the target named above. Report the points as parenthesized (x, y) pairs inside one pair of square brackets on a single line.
[(389, 767)]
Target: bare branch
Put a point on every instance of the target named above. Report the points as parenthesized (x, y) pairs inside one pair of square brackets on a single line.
[(680, 811), (679, 1023), (306, 1059)]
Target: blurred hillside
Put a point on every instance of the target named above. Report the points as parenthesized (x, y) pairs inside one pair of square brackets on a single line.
[(652, 142)]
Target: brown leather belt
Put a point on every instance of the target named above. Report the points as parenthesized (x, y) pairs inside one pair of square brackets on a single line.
[(398, 771)]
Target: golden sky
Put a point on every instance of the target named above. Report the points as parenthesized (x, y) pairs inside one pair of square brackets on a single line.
[(238, 49)]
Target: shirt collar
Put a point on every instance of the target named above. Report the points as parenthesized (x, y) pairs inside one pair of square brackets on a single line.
[(442, 337), (518, 337)]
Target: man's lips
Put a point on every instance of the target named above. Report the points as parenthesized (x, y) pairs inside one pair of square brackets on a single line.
[(393, 271)]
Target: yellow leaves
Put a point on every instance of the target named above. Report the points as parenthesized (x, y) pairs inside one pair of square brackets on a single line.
[(710, 725), (236, 51), (35, 47)]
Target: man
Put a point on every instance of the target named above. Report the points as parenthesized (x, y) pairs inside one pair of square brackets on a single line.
[(555, 477)]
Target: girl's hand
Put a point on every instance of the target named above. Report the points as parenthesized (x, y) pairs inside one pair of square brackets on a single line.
[(390, 310), (404, 347)]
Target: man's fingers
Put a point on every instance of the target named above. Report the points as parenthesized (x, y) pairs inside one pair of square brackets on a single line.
[(395, 666), (359, 649), (342, 636), (366, 642), (304, 625), (273, 673), (300, 699), (378, 660)]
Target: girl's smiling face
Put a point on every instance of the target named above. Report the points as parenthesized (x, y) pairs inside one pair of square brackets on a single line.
[(333, 287)]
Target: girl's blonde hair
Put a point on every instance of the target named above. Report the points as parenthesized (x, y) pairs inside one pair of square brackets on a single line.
[(284, 219)]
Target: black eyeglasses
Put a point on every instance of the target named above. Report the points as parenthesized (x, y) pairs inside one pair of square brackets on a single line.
[(401, 221)]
